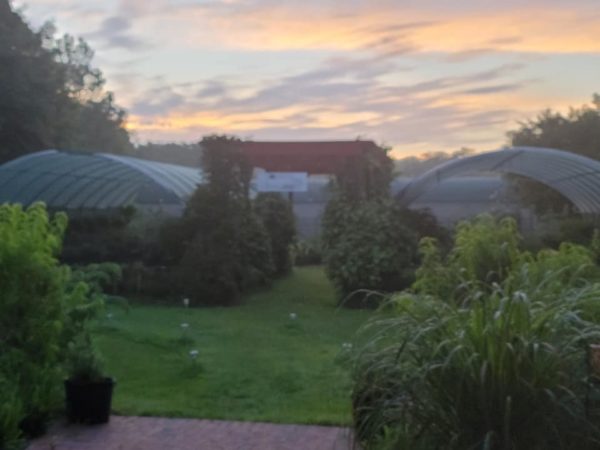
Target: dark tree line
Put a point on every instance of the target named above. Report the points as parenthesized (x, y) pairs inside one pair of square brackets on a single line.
[(50, 94)]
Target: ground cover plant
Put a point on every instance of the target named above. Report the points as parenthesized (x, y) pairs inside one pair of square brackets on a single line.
[(277, 357), (484, 359)]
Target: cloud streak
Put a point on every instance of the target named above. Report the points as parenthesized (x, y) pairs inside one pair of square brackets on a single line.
[(422, 76), (320, 105)]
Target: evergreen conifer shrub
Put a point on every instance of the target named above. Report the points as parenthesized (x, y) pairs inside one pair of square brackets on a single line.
[(278, 219), (225, 249)]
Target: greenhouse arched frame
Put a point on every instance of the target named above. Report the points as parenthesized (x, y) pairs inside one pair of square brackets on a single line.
[(576, 177)]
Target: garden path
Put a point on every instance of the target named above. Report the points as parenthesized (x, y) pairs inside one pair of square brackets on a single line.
[(157, 433)]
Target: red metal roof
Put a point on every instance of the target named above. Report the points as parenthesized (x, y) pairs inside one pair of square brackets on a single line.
[(325, 157)]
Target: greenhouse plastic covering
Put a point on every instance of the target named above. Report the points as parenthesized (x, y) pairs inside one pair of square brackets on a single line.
[(574, 176), (70, 180)]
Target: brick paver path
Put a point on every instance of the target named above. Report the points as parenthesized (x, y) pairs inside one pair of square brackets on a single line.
[(156, 433)]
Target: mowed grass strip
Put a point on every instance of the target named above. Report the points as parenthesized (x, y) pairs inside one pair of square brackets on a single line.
[(254, 361)]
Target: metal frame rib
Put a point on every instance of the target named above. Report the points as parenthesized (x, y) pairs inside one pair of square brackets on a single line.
[(574, 176)]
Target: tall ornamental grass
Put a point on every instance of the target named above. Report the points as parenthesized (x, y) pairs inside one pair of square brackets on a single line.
[(505, 372), (476, 360)]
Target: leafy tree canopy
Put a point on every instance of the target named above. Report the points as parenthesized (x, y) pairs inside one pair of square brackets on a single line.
[(51, 94)]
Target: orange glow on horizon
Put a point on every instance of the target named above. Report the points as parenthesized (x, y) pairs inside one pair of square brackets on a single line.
[(523, 30)]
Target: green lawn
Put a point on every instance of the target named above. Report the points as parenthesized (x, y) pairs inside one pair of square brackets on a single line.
[(254, 361)]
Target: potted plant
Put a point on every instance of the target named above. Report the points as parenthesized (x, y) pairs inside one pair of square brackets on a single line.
[(88, 392)]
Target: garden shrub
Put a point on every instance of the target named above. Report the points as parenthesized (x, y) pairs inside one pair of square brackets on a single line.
[(502, 370), (255, 253), (227, 250), (488, 350), (149, 281), (367, 248), (369, 241), (97, 238), (11, 414), (209, 267), (43, 307), (278, 219), (31, 308), (100, 277), (485, 251), (570, 264)]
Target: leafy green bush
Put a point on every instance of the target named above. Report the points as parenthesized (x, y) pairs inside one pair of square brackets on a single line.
[(43, 308), (97, 238), (159, 282), (485, 251), (31, 308), (487, 351), (11, 414), (506, 369), (255, 254), (277, 217), (225, 249), (369, 241), (366, 247), (83, 362), (571, 265)]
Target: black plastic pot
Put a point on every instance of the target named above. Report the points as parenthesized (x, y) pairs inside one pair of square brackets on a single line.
[(89, 401), (34, 425)]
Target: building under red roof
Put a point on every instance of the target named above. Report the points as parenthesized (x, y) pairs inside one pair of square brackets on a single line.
[(325, 157)]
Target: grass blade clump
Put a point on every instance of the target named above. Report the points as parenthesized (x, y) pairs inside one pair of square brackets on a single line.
[(488, 351), (504, 372)]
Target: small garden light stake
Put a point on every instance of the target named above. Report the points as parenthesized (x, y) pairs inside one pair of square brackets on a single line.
[(184, 327)]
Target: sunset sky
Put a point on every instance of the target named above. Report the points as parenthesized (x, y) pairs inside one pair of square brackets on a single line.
[(421, 76)]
